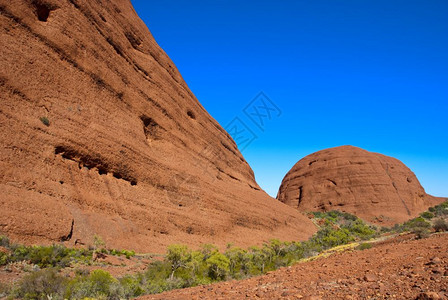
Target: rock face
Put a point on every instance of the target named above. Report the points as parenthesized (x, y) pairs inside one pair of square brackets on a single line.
[(101, 136), (372, 186)]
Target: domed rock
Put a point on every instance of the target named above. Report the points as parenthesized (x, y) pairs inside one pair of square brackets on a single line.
[(101, 136), (372, 186)]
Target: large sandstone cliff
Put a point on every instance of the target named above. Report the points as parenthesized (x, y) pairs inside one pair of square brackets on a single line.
[(101, 135), (372, 186)]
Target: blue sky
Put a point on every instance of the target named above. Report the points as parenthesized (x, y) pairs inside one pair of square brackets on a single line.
[(372, 74)]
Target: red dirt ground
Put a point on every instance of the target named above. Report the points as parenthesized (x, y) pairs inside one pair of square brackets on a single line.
[(403, 268)]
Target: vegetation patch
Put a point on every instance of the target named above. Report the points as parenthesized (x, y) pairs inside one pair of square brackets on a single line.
[(184, 267), (434, 218), (45, 121), (45, 256), (364, 246)]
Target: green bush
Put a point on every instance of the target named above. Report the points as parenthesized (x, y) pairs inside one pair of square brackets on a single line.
[(237, 261), (4, 241), (41, 284), (440, 210), (335, 216), (421, 232), (183, 267), (218, 266), (48, 256), (131, 287), (126, 253), (360, 230), (427, 215), (419, 226), (3, 258), (178, 256), (328, 237), (416, 223), (156, 276), (364, 246), (98, 243), (99, 284)]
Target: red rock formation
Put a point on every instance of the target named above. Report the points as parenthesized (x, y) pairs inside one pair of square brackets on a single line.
[(372, 186), (101, 135)]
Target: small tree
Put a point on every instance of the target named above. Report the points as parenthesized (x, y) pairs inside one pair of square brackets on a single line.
[(98, 242), (178, 256), (208, 250), (278, 247), (258, 258), (236, 259), (218, 266)]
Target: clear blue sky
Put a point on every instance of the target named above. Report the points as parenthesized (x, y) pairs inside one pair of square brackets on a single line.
[(372, 74)]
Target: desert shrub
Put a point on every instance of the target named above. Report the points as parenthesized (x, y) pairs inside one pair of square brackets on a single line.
[(419, 226), (158, 279), (218, 266), (417, 222), (98, 243), (4, 290), (335, 216), (439, 210), (386, 229), (318, 214), (328, 237), (45, 121), (131, 286), (295, 252), (237, 261), (259, 260), (364, 246), (41, 285), (127, 253), (427, 215), (4, 241), (440, 225), (183, 267), (48, 256), (208, 250), (99, 284), (421, 232), (361, 230), (311, 248), (158, 270), (178, 257), (277, 247), (82, 272)]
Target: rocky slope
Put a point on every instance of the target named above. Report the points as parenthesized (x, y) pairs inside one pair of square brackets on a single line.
[(101, 135), (372, 186)]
